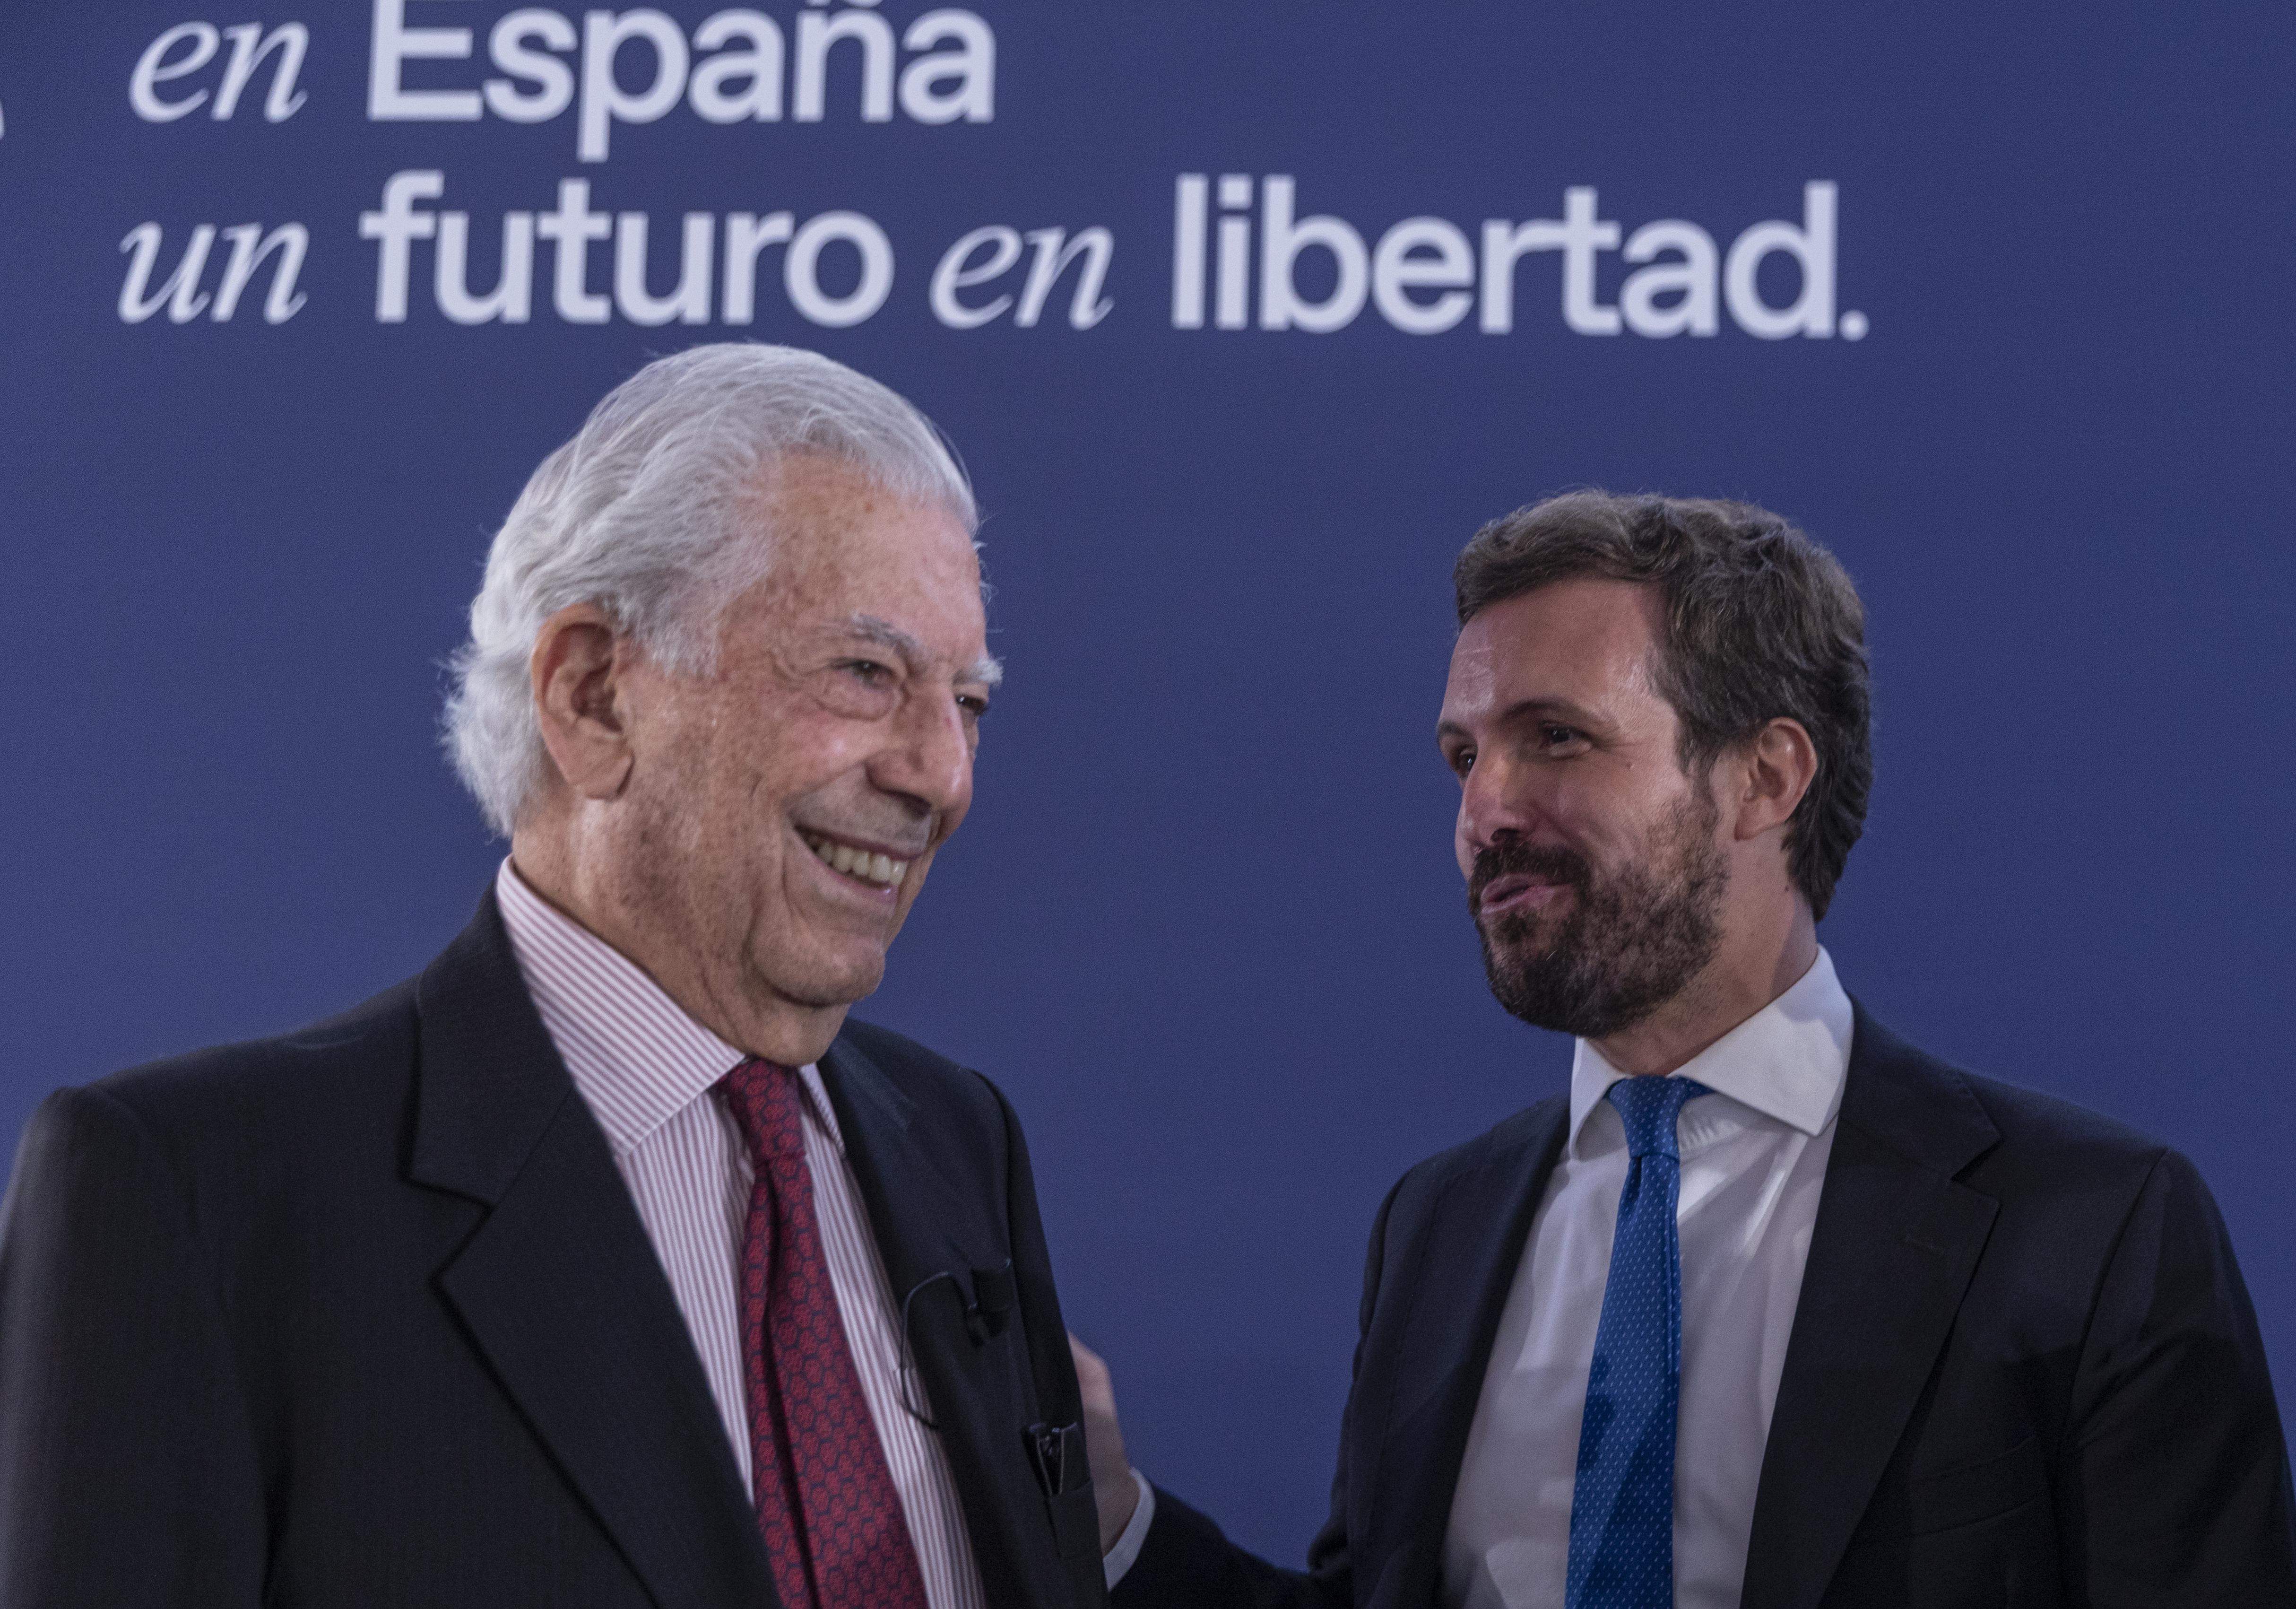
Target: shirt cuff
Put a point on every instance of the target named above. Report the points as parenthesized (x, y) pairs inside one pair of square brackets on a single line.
[(1118, 1559)]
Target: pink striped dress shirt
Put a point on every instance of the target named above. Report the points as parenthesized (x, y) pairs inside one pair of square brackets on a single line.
[(645, 1068)]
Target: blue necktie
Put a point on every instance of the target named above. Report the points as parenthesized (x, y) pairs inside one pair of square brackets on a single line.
[(1622, 1511)]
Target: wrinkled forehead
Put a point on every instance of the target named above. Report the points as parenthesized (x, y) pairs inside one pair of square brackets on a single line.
[(820, 504), (834, 522), (857, 562)]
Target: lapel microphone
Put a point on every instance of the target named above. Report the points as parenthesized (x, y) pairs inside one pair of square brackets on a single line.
[(987, 1309)]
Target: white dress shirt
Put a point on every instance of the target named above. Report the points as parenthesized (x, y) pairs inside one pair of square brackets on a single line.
[(645, 1068), (1753, 1160)]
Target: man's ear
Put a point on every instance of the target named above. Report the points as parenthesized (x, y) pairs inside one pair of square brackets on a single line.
[(1776, 767), (580, 670)]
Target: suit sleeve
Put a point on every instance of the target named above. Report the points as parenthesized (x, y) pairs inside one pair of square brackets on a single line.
[(1186, 1563), (1075, 1519), (127, 1474), (2175, 1489)]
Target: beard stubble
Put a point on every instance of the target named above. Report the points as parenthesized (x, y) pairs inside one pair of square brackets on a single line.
[(1632, 939)]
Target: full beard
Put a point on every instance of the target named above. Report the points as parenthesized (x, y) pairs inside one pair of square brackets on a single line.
[(1632, 938)]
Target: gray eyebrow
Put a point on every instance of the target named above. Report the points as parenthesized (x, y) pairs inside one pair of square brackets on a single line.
[(987, 669)]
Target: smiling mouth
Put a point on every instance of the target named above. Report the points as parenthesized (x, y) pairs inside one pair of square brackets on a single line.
[(876, 869)]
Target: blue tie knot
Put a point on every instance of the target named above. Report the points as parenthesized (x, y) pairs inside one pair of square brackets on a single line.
[(1649, 1106)]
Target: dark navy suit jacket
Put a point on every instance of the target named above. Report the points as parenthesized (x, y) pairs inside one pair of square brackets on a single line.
[(2024, 1372), (364, 1316)]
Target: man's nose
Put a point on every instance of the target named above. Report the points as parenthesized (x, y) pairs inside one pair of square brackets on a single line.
[(930, 759), (1497, 803)]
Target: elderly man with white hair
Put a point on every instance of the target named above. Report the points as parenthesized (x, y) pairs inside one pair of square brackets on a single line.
[(605, 1262)]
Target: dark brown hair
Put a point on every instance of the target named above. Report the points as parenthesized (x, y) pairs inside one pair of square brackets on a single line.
[(1758, 621)]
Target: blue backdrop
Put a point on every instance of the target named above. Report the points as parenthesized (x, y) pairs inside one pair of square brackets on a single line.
[(1203, 924)]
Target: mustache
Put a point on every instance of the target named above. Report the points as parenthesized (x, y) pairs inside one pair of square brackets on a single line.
[(1542, 862)]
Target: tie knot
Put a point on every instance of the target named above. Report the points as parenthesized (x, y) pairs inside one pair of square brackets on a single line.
[(1649, 1106), (763, 1098)]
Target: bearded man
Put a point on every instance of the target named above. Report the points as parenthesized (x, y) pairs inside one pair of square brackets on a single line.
[(1774, 1310)]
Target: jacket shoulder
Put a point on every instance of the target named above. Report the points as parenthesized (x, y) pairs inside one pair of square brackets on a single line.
[(2032, 1119), (244, 1104), (2054, 1149), (2017, 1140)]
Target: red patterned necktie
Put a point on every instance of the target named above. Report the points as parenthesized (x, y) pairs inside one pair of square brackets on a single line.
[(826, 1504)]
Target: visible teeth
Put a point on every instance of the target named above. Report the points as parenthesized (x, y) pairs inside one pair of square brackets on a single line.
[(870, 867)]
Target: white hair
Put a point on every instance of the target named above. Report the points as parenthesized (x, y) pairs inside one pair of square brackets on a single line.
[(658, 512)]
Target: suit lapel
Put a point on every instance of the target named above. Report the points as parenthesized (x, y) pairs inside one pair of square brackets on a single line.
[(560, 1288), (1451, 1276), (924, 1224), (934, 1238), (1894, 1246)]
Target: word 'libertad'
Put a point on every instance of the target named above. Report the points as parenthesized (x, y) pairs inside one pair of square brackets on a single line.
[(1425, 274)]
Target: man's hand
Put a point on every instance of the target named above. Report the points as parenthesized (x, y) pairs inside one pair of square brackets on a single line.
[(1104, 1442)]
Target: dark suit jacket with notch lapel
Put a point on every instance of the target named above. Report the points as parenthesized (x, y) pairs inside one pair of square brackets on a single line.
[(2024, 1372), (364, 1316)]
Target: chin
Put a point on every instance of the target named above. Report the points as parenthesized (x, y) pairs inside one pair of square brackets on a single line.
[(1521, 936), (832, 980)]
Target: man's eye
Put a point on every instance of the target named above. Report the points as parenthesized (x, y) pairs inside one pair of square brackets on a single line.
[(973, 705), (868, 672), (1463, 763), (1556, 737)]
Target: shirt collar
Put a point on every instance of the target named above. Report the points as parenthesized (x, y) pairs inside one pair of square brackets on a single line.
[(1788, 1061), (637, 1056)]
